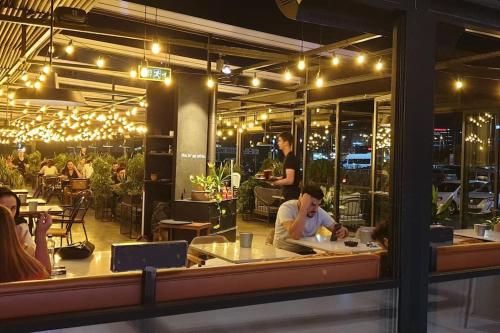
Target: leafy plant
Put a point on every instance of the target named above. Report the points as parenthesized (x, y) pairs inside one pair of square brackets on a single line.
[(492, 223), (33, 160), (328, 202), (10, 177), (100, 182), (134, 176), (60, 160), (274, 165), (213, 183), (246, 197)]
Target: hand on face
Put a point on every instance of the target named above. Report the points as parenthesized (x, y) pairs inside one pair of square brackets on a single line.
[(43, 224)]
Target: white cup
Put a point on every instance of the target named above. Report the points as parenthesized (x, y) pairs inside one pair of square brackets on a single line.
[(22, 198), (480, 229), (246, 239)]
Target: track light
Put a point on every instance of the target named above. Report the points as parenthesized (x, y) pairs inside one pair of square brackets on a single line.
[(301, 65), (255, 80), (100, 62), (155, 47), (69, 49)]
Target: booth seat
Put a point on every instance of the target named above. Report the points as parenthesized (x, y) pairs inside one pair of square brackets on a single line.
[(468, 256), (307, 271), (38, 298)]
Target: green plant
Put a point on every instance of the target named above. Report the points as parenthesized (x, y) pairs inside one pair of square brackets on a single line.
[(10, 177), (246, 197), (60, 160), (274, 165), (213, 183), (493, 222), (320, 171), (34, 160), (100, 182), (134, 176)]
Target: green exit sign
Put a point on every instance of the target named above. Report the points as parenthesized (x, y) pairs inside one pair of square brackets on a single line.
[(154, 73)]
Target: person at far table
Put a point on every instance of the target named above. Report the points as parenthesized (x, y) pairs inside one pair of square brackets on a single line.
[(87, 169), (20, 162), (291, 168), (48, 169), (37, 248), (70, 171), (303, 218)]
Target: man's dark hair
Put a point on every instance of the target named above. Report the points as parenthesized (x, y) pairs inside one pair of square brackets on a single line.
[(6, 192), (314, 191), (286, 136)]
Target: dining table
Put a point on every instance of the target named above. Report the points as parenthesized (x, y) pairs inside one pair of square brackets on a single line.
[(20, 191), (232, 252), (490, 236), (98, 263), (323, 243), (24, 211)]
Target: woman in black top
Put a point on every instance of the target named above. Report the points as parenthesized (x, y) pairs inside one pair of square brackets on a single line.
[(291, 168), (70, 171)]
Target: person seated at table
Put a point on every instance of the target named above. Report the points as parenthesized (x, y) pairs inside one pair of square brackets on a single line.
[(48, 169), (303, 218), (87, 169), (70, 171), (20, 162), (117, 178), (37, 248)]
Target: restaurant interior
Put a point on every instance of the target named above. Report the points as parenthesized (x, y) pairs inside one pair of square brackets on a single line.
[(164, 123)]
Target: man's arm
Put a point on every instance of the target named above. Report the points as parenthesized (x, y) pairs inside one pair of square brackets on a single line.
[(289, 180), (295, 227), (42, 253), (341, 233)]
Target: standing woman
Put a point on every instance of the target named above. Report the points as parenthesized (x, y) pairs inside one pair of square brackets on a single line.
[(17, 264), (291, 168)]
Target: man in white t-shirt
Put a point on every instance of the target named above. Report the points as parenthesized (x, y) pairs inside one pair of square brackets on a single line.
[(302, 218)]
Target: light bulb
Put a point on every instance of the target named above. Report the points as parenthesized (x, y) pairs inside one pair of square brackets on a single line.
[(24, 77), (264, 116), (301, 65), (46, 69), (288, 75), (255, 81), (379, 66), (459, 84), (335, 60), (168, 81), (226, 69), (155, 48), (42, 78), (100, 62), (219, 133), (37, 85), (134, 111), (361, 59), (319, 81), (133, 73), (210, 82), (69, 48)]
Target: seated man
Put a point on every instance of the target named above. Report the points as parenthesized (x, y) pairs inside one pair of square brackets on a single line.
[(302, 218)]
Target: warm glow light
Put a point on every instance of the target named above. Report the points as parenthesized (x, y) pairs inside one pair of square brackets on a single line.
[(335, 60), (301, 65), (255, 81), (379, 66), (100, 62), (319, 81), (42, 78), (210, 82), (168, 81), (133, 73), (43, 108), (288, 75), (361, 59), (219, 133), (263, 116), (24, 77), (230, 132), (27, 84), (144, 71), (155, 48), (46, 69), (459, 84), (240, 130), (25, 111), (37, 85), (69, 48), (134, 111)]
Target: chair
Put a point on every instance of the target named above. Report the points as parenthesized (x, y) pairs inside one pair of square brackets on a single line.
[(76, 215), (351, 212), (76, 186), (196, 258), (52, 186), (265, 202)]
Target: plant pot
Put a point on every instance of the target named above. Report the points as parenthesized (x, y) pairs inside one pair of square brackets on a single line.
[(198, 188), (200, 196)]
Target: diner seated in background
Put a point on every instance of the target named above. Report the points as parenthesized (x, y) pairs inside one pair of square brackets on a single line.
[(20, 162), (70, 171), (49, 169), (303, 218), (16, 263), (87, 169), (37, 248)]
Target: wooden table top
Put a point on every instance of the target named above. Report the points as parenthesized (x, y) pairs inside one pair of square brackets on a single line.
[(489, 235), (25, 211), (186, 226), (323, 243)]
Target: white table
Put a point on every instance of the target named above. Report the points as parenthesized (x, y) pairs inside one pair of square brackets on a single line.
[(98, 263), (232, 252), (323, 243), (25, 211), (489, 235)]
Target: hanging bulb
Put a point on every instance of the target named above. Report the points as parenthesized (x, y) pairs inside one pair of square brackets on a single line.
[(288, 75), (24, 77), (219, 133), (255, 80), (361, 59), (155, 47), (100, 62), (144, 71), (379, 66), (319, 80), (42, 78), (210, 82), (69, 49), (134, 111), (133, 73), (301, 65), (46, 69), (37, 85), (335, 60), (459, 84), (168, 81)]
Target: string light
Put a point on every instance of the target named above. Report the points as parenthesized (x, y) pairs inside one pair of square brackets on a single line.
[(134, 111), (263, 117), (335, 60), (288, 75), (210, 82), (255, 80), (155, 48), (42, 78), (361, 59), (459, 84), (69, 48), (46, 69), (133, 73), (319, 80), (37, 85), (301, 65), (100, 62)]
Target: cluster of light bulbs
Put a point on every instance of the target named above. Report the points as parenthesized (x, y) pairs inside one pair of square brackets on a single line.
[(479, 121), (383, 137)]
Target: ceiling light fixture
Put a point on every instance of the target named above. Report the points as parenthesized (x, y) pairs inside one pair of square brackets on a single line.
[(155, 48), (69, 49), (335, 60), (255, 80), (288, 75), (379, 66), (210, 82), (301, 65), (226, 69), (100, 62), (133, 73), (459, 84), (361, 59)]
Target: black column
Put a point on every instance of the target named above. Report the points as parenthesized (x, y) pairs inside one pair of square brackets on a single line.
[(412, 114), (212, 124)]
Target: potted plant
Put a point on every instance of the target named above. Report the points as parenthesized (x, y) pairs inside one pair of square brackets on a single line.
[(10, 177), (209, 187), (33, 161), (131, 189), (100, 184), (494, 224)]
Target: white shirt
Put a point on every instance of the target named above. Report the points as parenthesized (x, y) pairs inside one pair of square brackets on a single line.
[(87, 170), (49, 171), (288, 211), (24, 237)]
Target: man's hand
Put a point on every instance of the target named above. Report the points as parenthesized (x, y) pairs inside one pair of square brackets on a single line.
[(342, 232), (305, 202), (43, 224)]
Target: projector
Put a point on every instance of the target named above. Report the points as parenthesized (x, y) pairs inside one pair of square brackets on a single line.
[(70, 15)]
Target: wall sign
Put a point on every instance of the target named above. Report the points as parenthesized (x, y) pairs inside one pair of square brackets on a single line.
[(154, 73)]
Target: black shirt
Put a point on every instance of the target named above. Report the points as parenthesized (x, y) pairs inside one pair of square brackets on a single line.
[(291, 191), (21, 165)]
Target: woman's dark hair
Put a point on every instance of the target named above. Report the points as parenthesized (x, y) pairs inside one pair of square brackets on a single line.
[(286, 136), (314, 191), (380, 232), (6, 192)]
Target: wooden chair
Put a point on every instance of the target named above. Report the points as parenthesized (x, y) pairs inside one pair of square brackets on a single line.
[(77, 215), (76, 186), (196, 258)]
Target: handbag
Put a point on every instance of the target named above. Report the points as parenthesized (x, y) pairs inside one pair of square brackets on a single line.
[(80, 250)]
